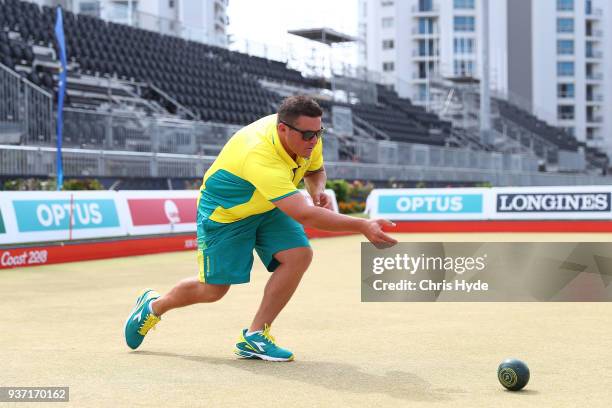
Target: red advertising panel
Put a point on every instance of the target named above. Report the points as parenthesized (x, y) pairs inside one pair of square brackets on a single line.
[(156, 211)]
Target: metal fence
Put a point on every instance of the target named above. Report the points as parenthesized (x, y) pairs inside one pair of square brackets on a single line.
[(26, 111), (409, 154), (40, 161), (139, 133), (10, 113), (92, 130), (99, 144)]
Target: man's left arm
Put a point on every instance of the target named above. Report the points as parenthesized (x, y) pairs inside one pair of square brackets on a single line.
[(315, 185)]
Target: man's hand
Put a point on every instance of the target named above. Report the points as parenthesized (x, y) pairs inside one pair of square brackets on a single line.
[(321, 199), (298, 207), (372, 230)]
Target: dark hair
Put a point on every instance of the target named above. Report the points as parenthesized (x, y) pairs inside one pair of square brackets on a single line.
[(293, 107)]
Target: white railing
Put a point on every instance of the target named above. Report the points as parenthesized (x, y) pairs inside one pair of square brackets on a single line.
[(40, 161), (433, 32), (435, 8)]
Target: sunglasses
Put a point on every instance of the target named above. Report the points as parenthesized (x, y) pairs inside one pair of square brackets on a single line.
[(307, 135)]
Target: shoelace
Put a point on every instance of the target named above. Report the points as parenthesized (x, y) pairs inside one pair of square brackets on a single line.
[(149, 323), (267, 335)]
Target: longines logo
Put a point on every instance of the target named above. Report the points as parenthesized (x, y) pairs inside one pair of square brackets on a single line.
[(553, 202)]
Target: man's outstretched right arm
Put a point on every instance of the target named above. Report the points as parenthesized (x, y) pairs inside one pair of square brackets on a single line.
[(297, 207)]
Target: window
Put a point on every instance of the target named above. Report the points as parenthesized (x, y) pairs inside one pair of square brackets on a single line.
[(565, 47), (565, 68), (425, 5), (569, 130), (422, 92), (464, 4), (422, 47), (425, 26), (463, 45), (91, 8), (565, 112), (565, 5), (565, 25), (565, 90), (387, 22), (426, 48), (388, 44), (592, 94), (464, 23), (464, 68), (386, 3), (590, 51), (388, 66), (170, 3)]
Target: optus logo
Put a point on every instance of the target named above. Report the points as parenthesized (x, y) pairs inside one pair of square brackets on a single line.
[(55, 214), (431, 204), (47, 215)]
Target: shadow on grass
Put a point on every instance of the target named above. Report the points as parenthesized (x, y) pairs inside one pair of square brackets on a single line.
[(334, 376), (523, 392)]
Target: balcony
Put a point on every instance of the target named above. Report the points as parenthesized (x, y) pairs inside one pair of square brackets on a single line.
[(417, 11), (594, 76), (595, 119), (566, 97), (432, 54), (594, 34), (220, 5), (565, 117), (594, 98), (594, 14), (594, 54), (426, 33)]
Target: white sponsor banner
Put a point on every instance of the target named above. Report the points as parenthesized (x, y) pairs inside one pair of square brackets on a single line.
[(545, 203), (429, 204), (498, 203), (42, 216), (36, 216)]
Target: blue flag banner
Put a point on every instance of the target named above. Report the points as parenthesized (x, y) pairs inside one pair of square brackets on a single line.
[(61, 90)]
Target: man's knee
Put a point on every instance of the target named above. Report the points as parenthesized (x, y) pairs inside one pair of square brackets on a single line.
[(212, 293), (301, 256)]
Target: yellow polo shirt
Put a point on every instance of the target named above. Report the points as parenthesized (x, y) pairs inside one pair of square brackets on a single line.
[(252, 171)]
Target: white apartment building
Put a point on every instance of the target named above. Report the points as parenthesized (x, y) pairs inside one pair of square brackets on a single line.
[(556, 55), (199, 20)]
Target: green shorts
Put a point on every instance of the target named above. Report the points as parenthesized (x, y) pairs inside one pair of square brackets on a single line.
[(225, 251)]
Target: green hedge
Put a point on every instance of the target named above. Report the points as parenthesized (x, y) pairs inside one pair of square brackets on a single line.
[(33, 184)]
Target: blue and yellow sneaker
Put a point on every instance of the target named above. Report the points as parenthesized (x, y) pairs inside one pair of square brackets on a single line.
[(140, 320), (261, 345)]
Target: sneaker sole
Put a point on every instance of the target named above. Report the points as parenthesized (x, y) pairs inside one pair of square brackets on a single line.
[(245, 355), (251, 355)]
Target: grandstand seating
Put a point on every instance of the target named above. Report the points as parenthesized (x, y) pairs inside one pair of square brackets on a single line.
[(216, 84), (159, 73), (561, 139), (414, 112)]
